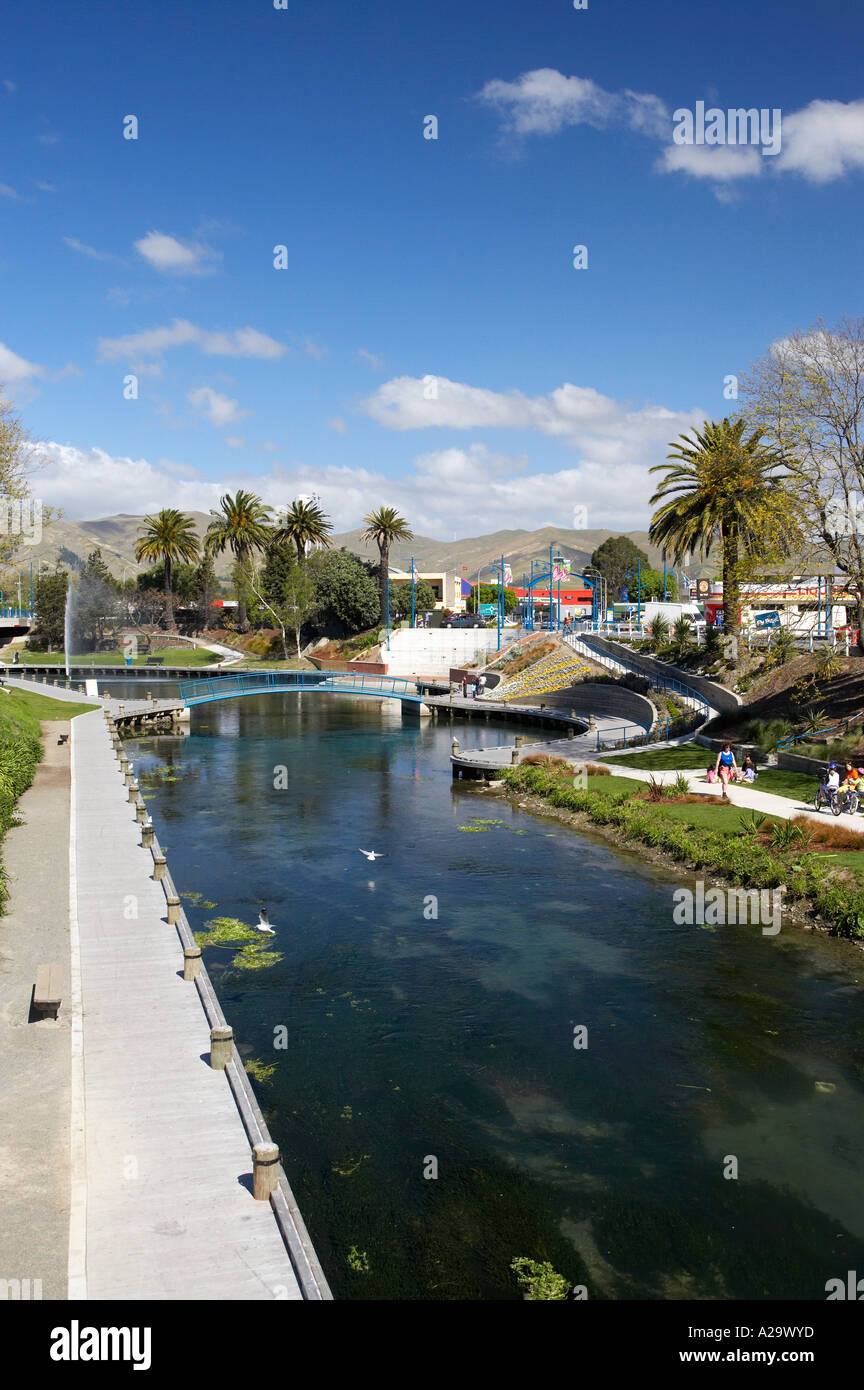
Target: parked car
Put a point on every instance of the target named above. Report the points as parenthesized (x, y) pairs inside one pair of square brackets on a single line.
[(464, 620)]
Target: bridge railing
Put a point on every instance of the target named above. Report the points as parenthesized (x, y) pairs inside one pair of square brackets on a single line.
[(254, 682)]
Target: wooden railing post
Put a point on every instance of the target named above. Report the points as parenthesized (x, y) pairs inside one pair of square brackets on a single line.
[(221, 1047), (265, 1171)]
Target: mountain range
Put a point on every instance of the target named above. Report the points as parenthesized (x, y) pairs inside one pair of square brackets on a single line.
[(68, 543)]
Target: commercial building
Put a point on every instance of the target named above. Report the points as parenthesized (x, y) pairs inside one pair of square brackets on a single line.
[(449, 589)]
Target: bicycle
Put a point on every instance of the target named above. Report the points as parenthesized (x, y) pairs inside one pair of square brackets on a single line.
[(826, 796), (845, 801)]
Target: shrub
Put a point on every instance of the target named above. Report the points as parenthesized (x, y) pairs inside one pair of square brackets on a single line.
[(597, 770), (539, 1281)]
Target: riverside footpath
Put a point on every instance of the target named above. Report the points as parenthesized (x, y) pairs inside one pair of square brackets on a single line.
[(154, 1161)]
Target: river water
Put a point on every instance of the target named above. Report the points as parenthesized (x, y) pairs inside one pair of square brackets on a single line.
[(428, 1001)]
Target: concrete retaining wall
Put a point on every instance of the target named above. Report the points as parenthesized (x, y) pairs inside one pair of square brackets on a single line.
[(796, 763), (615, 701), (432, 652), (659, 671)]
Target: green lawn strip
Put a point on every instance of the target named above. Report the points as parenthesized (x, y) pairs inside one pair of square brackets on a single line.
[(712, 816), (171, 656), (688, 756), (738, 857), (609, 786), (20, 752), (29, 705)]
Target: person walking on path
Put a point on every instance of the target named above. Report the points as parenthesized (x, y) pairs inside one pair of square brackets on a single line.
[(482, 684), (726, 766)]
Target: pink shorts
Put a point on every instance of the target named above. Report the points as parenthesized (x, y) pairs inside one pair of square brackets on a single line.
[(725, 774)]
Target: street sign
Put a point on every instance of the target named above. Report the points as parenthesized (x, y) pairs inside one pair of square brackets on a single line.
[(487, 610), (625, 594), (767, 619)]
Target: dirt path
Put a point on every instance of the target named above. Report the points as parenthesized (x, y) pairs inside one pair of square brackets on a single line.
[(34, 1110)]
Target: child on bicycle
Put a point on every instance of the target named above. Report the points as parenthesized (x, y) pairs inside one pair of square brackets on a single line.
[(829, 785)]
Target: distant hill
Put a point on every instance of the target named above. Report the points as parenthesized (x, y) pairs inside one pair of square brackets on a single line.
[(70, 542)]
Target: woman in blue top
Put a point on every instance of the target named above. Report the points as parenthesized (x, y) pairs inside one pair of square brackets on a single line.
[(726, 765)]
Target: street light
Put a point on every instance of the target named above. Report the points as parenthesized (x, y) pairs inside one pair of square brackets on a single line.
[(556, 563)]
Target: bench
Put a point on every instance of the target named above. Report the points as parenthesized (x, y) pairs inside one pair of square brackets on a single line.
[(48, 990), (155, 661)]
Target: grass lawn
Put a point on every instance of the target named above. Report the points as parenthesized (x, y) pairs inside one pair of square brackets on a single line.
[(18, 702), (711, 816), (607, 786), (846, 859), (171, 656), (779, 781), (260, 663), (689, 756)]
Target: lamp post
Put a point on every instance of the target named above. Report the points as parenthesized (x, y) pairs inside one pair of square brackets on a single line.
[(629, 575), (557, 563), (388, 610), (412, 592)]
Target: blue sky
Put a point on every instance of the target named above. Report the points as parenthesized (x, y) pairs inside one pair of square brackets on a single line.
[(430, 344)]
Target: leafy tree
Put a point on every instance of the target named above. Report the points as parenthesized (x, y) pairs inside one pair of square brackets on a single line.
[(304, 523), (167, 539), (720, 484), (241, 526), (182, 581), (385, 526), (346, 590), (489, 594), (299, 603), (614, 559), (652, 586), (806, 397), (205, 587), (96, 608), (49, 596)]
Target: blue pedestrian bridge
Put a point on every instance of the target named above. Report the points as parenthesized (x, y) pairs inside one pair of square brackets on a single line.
[(228, 687)]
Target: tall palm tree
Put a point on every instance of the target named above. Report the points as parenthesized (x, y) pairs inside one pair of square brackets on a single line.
[(169, 537), (303, 523), (384, 527), (242, 526), (720, 485)]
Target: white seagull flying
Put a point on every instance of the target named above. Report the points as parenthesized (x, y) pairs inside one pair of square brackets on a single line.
[(372, 855), (263, 923)]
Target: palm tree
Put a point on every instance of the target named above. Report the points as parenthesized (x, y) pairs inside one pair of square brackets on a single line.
[(169, 537), (384, 527), (720, 484), (242, 526), (659, 632), (302, 524)]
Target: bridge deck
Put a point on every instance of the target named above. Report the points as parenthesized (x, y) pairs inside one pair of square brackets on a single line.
[(169, 1214)]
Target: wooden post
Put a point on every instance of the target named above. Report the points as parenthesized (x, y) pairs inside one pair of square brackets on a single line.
[(514, 756), (592, 722), (133, 792), (265, 1171), (124, 764), (191, 962), (455, 748), (173, 904), (140, 812), (518, 740), (130, 774), (571, 732), (159, 863), (147, 834), (221, 1047)]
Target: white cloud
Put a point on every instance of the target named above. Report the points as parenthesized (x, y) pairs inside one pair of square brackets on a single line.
[(219, 410), (10, 87), (313, 350), (243, 342), (467, 492), (821, 142), (337, 425), (235, 441), (85, 250), (49, 138), (544, 102), (578, 415), (824, 140), (14, 369), (719, 162), (46, 187), (6, 191), (376, 363), (173, 257)]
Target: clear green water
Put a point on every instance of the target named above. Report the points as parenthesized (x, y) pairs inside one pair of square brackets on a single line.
[(410, 1037)]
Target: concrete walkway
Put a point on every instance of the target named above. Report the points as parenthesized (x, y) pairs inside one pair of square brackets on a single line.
[(582, 747), (169, 1211)]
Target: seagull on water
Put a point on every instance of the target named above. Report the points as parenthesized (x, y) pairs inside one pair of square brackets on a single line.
[(264, 922), (372, 855)]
